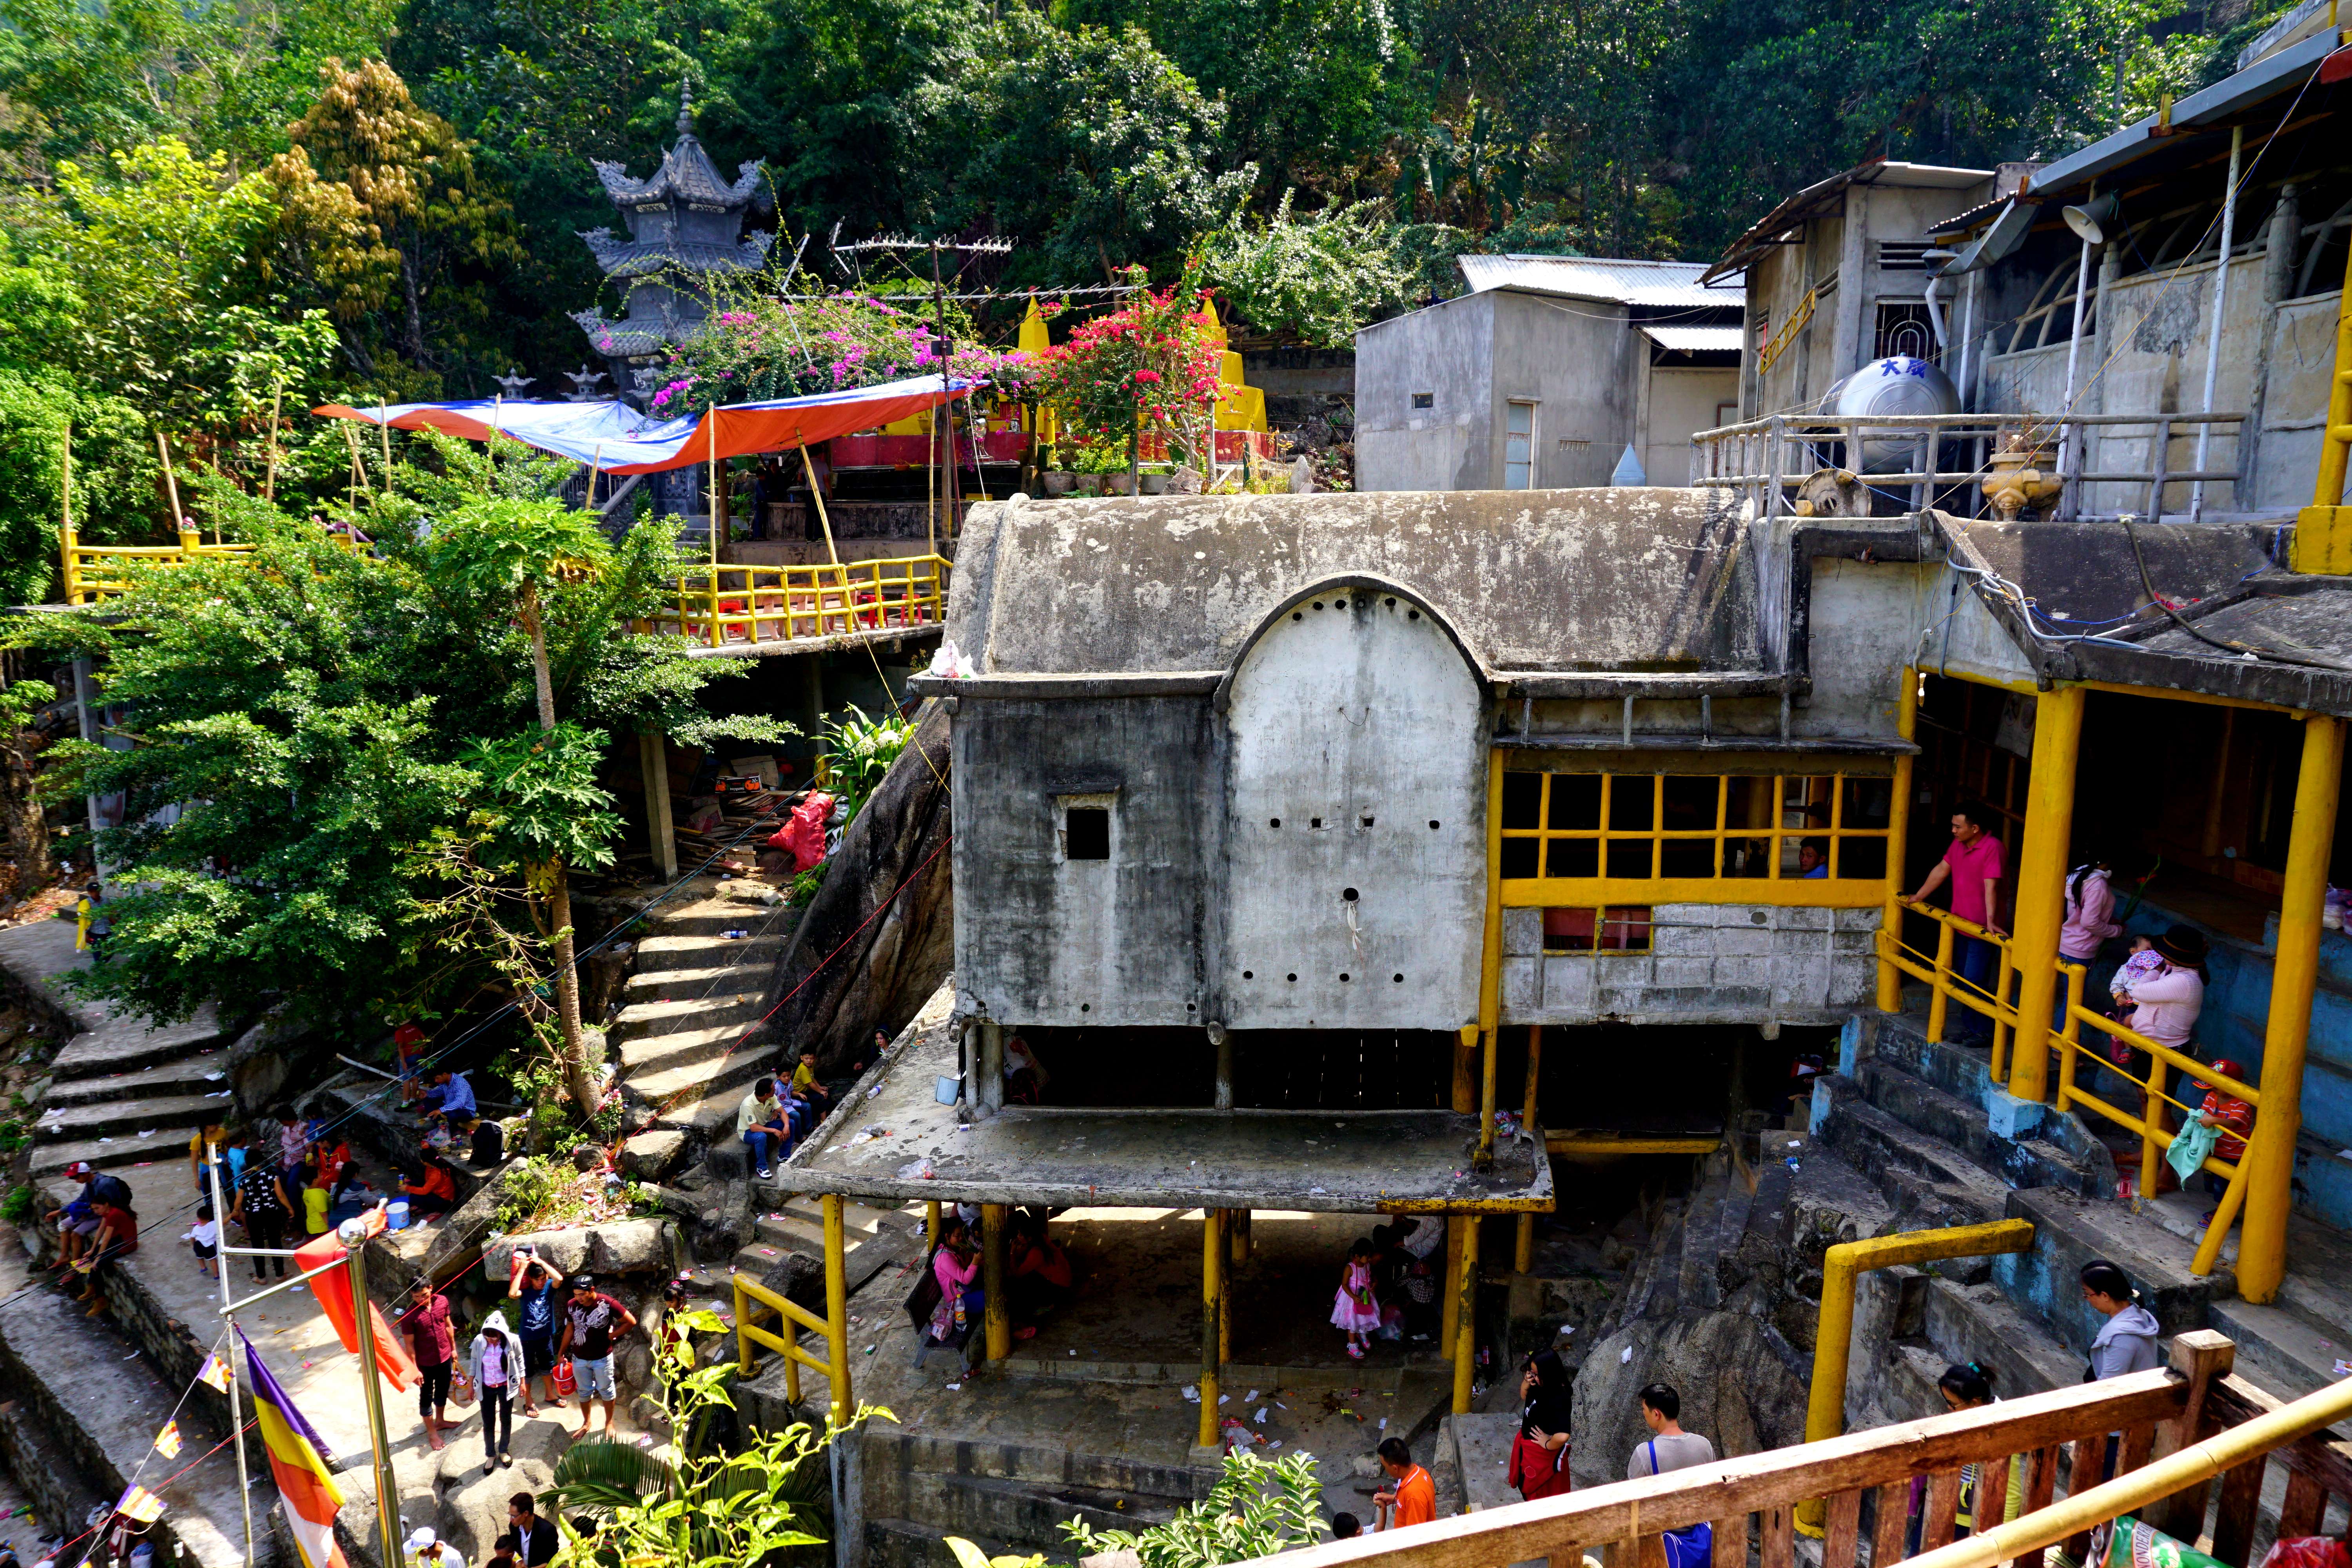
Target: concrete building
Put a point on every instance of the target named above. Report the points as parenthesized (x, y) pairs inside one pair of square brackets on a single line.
[(1543, 374)]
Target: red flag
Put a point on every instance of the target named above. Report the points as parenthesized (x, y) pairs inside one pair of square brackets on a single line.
[(333, 1292)]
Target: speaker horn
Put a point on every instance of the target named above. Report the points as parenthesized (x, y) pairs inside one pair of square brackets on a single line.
[(2089, 221)]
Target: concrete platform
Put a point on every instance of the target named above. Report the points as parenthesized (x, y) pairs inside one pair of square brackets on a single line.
[(899, 1143)]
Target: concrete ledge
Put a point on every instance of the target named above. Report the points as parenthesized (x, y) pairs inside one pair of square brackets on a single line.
[(2069, 1233)]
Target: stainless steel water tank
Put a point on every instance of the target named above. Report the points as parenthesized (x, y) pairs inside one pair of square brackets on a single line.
[(1901, 385)]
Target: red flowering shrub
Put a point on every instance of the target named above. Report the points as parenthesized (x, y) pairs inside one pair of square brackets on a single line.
[(1151, 365)]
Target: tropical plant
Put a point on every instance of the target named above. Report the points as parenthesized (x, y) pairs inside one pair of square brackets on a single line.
[(1258, 1508), (691, 1504), (967, 1555), (1318, 278), (860, 751)]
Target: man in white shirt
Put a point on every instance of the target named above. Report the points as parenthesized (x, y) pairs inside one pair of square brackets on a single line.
[(426, 1550)]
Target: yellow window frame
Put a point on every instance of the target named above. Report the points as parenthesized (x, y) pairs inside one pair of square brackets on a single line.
[(1773, 887)]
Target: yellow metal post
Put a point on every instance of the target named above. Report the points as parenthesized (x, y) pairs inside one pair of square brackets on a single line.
[(931, 1223), (1898, 833), (836, 1310), (2270, 1154), (1490, 967), (1523, 1252), (1225, 1288), (1465, 1313), (2323, 530), (1213, 1245), (1938, 1000), (2042, 883), (1449, 1311), (1486, 1091), (1833, 1336), (994, 1310)]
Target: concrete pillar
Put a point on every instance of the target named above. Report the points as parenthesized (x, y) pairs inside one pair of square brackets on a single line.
[(995, 1311), (1449, 1304), (1851, 334), (661, 827), (1898, 833), (1523, 1251), (983, 1090), (2042, 883), (2270, 1154), (1222, 1039)]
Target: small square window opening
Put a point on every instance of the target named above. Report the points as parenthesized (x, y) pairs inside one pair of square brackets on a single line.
[(1424, 400), (1085, 833)]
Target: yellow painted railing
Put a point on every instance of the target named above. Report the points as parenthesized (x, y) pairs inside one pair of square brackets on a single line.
[(1946, 985), (754, 1301), (732, 606), (96, 572), (2153, 1136)]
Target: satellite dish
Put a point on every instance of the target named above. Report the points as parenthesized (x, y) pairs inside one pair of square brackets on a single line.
[(2089, 221)]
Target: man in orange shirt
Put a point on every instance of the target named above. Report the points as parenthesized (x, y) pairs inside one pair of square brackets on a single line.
[(1415, 1495)]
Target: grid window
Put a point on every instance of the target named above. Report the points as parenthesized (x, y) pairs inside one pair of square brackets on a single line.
[(1696, 827), (1519, 447)]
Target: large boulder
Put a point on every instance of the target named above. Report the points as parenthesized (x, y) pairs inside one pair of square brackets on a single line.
[(847, 973), (1737, 1389)]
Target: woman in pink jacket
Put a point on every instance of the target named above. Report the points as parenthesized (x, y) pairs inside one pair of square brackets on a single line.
[(2165, 1006)]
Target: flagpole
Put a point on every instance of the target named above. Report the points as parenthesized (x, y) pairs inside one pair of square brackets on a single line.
[(353, 1233), (236, 1419)]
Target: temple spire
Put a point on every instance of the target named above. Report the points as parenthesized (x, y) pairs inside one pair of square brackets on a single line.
[(684, 107)]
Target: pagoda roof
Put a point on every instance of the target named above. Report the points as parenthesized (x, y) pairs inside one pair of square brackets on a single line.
[(637, 258), (687, 173), (633, 339)]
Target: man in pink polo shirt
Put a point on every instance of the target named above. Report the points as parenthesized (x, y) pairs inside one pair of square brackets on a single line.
[(1974, 866)]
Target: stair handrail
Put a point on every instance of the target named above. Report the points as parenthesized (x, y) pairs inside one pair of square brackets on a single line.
[(1944, 986), (751, 1296), (1629, 1515)]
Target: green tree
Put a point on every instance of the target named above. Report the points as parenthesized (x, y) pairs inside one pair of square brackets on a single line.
[(1317, 278), (1258, 1508), (1089, 144), (552, 813)]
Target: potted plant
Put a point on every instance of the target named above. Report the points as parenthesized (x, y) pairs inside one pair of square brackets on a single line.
[(1148, 367)]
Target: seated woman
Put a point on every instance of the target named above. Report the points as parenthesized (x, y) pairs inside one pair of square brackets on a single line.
[(434, 1193), (1041, 1271), (1025, 1076)]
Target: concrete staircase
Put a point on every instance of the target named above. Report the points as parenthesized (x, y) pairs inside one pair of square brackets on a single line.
[(119, 1092), (692, 994), (796, 1224)]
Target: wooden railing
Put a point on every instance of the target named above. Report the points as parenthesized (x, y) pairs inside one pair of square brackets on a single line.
[(1946, 983), (2060, 1436), (751, 605), (739, 606), (96, 572)]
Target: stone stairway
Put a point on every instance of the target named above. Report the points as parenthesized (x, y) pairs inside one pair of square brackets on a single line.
[(692, 992), (119, 1092), (796, 1224)]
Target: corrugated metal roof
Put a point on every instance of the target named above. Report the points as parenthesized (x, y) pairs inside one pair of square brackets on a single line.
[(1696, 340), (1667, 284)]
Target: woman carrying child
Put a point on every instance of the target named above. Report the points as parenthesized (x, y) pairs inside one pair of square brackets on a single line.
[(1356, 1308)]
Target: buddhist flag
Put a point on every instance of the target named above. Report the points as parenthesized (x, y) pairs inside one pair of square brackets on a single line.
[(167, 1441), (214, 1373), (142, 1505), (332, 1291), (297, 1459)]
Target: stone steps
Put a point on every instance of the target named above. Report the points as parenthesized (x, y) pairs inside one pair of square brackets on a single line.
[(2280, 1349), (652, 1021), (667, 952), (202, 1074), (1927, 1179), (668, 984), (119, 1119), (113, 1045), (1026, 1511), (705, 1076), (709, 917)]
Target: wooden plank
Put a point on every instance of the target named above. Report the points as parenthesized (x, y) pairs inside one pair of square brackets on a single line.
[(2087, 1460), (2138, 1442), (1844, 1531), (2306, 1501), (1894, 1514), (1779, 1546), (1992, 1493), (2041, 1479), (1779, 1477), (2202, 1357), (1730, 1535), (1937, 1524), (2242, 1501)]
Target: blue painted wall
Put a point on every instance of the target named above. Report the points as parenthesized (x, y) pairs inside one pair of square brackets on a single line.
[(2237, 1007)]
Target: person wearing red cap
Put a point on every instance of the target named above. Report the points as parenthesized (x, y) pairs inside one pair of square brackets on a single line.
[(2232, 1118)]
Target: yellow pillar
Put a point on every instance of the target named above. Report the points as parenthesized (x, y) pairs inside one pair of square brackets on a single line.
[(994, 1310), (1898, 834), (1225, 1288), (836, 1311), (2042, 883), (2270, 1154), (1490, 972), (1466, 1313), (1449, 1307), (1212, 1244), (2323, 530), (1523, 1253), (930, 1225), (1487, 1097)]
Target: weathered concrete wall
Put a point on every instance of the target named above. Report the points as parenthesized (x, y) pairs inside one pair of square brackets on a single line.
[(1576, 361), (1708, 964), (1861, 626), (1445, 353), (1681, 403), (1047, 936), (1353, 885), (1649, 579), (2294, 400)]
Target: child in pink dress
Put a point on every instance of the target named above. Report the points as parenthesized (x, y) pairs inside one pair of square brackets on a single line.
[(1355, 1308)]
